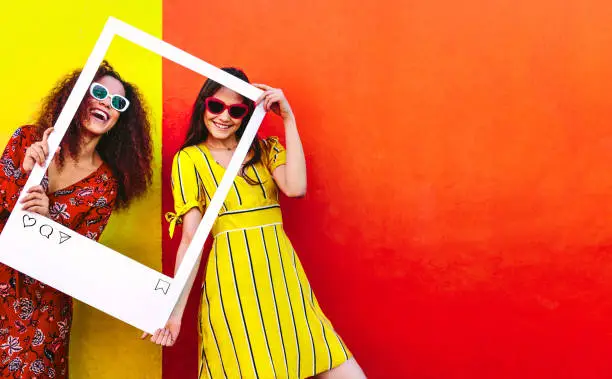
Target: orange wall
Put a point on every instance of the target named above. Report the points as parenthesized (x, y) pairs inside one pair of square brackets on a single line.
[(460, 189)]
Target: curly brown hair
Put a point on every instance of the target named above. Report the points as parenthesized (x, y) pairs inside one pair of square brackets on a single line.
[(127, 148)]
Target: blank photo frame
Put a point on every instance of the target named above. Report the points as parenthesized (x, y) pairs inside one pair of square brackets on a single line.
[(87, 270)]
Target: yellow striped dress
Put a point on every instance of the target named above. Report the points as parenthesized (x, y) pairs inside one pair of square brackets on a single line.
[(258, 315)]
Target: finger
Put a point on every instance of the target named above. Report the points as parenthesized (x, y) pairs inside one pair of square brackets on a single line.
[(38, 154), (268, 103), (260, 98), (27, 167), (160, 337), (37, 189), (46, 134), (29, 203), (171, 338), (144, 335), (45, 148), (30, 196), (29, 161), (263, 96), (42, 149), (155, 335), (165, 338), (40, 210), (42, 146), (31, 153), (264, 87), (40, 158), (278, 94), (275, 98), (32, 203)]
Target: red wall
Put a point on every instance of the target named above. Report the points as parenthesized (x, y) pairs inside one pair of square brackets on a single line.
[(460, 190)]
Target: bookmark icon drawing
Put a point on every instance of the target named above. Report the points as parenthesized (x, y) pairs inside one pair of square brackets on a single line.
[(163, 286)]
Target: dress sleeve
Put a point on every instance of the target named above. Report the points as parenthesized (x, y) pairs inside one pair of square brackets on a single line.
[(274, 152), (186, 189), (12, 177), (101, 206)]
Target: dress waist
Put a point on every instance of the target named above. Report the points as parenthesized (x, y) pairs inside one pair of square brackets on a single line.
[(247, 218)]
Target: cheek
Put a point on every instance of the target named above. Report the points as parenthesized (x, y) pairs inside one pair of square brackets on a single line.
[(89, 102), (206, 119), (209, 118), (114, 117)]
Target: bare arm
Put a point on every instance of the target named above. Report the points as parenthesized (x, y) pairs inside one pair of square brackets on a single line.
[(191, 220), (290, 177), (168, 335)]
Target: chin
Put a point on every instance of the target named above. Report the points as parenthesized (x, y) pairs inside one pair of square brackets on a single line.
[(97, 130), (222, 135)]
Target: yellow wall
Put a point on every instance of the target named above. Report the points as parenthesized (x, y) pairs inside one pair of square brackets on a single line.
[(41, 41)]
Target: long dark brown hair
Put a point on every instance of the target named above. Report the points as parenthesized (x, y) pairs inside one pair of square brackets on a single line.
[(198, 132), (126, 148)]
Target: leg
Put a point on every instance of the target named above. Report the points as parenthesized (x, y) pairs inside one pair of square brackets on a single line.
[(348, 370)]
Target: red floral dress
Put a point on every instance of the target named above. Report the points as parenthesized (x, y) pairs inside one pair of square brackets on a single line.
[(35, 319)]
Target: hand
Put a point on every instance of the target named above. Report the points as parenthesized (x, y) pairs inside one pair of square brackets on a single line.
[(37, 153), (166, 336), (36, 201), (274, 99)]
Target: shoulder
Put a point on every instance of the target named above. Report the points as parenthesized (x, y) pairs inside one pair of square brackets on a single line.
[(270, 140), (189, 152), (271, 144), (20, 140), (106, 181), (189, 156), (26, 133)]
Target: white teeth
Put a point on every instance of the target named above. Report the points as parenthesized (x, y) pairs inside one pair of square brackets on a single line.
[(102, 115), (224, 127)]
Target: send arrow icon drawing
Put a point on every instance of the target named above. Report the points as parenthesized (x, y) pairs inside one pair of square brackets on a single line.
[(64, 237)]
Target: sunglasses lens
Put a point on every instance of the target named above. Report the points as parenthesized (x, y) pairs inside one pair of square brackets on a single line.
[(119, 103), (99, 92), (215, 106), (237, 111)]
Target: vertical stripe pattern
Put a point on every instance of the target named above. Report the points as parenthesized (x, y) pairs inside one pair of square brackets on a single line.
[(259, 317)]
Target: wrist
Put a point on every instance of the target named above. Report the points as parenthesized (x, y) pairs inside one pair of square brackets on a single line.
[(289, 119), (177, 319)]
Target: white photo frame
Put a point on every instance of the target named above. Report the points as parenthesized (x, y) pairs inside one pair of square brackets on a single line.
[(87, 270)]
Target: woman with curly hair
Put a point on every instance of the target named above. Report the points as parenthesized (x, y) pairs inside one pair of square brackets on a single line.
[(103, 163)]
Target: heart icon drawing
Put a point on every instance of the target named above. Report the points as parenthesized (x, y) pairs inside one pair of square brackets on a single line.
[(28, 221)]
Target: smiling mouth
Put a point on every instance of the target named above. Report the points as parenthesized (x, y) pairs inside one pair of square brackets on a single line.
[(221, 126), (99, 114)]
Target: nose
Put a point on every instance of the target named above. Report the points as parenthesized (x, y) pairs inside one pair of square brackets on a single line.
[(106, 102), (225, 114)]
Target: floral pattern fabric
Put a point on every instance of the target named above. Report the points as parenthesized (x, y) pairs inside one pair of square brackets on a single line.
[(35, 319)]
